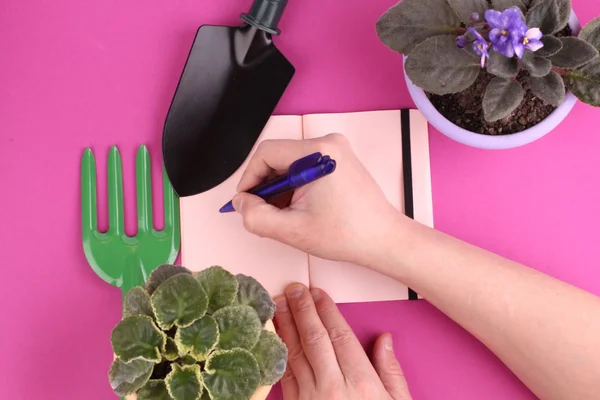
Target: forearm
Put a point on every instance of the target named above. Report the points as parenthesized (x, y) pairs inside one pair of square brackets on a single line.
[(545, 331)]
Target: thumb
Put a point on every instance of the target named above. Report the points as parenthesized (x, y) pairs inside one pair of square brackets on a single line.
[(389, 370), (263, 219)]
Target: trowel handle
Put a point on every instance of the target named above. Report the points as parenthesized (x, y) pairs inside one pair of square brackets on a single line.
[(265, 15)]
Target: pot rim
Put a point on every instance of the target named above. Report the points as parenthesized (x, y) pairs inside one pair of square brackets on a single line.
[(483, 141)]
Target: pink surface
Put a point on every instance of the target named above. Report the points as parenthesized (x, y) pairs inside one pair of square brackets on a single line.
[(76, 74)]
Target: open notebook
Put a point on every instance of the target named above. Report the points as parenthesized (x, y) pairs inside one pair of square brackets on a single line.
[(393, 146)]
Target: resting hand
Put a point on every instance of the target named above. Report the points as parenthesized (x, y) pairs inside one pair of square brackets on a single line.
[(343, 217), (326, 361)]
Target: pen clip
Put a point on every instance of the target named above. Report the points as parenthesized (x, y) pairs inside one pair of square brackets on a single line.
[(304, 163)]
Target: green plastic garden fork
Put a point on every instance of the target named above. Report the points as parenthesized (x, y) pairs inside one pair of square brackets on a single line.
[(121, 260)]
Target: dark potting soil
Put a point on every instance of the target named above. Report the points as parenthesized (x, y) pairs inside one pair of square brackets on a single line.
[(465, 108)]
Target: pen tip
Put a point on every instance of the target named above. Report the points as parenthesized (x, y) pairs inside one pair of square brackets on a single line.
[(227, 208)]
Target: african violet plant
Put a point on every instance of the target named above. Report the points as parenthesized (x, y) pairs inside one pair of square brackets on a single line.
[(191, 336), (448, 42)]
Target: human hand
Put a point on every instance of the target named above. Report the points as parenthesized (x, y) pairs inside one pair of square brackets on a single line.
[(326, 361), (343, 217)]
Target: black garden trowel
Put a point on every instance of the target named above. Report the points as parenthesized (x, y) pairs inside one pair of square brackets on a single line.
[(231, 83)]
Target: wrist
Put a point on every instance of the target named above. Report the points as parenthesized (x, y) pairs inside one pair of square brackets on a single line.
[(390, 249)]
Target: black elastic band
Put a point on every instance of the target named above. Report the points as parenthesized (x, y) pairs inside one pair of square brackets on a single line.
[(407, 171)]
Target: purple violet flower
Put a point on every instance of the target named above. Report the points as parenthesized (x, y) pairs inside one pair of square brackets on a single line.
[(461, 41), (530, 41), (507, 28), (480, 45)]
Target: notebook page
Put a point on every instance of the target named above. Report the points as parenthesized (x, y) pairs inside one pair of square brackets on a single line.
[(376, 139), (211, 238), (421, 168)]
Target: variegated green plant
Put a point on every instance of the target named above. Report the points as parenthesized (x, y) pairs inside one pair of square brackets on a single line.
[(192, 336), (448, 42)]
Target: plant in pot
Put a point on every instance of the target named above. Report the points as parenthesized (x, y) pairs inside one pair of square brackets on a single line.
[(191, 336), (494, 73)]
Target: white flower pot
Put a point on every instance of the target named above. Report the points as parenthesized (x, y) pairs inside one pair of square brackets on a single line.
[(498, 142)]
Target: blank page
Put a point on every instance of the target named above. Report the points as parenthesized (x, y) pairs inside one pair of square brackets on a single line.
[(376, 138), (421, 169), (211, 238)]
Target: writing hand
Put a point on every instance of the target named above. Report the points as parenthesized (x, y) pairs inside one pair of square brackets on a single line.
[(342, 217)]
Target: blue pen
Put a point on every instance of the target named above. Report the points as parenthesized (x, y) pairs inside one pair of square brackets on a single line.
[(303, 171)]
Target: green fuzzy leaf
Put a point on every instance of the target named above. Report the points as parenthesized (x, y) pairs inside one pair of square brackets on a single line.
[(574, 54), (438, 66), (171, 351), (464, 8), (410, 22), (179, 300), (188, 360), (184, 382), (502, 66), (545, 15), (128, 378), (591, 33), (271, 354), (564, 12), (198, 339), (162, 273), (155, 389), (502, 5), (138, 338), (584, 82), (231, 375), (220, 286), (537, 66), (252, 293), (137, 302), (501, 98), (549, 88), (239, 326), (552, 45)]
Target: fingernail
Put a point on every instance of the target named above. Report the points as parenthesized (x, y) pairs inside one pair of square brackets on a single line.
[(316, 294), (280, 304), (295, 291), (388, 344), (237, 202)]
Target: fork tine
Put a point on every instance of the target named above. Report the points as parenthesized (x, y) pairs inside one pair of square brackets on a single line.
[(144, 189), (115, 192), (89, 221), (171, 205)]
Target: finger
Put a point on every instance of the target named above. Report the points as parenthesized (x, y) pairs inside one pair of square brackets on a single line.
[(266, 220), (270, 156), (313, 335), (298, 365), (289, 385), (389, 370), (352, 359)]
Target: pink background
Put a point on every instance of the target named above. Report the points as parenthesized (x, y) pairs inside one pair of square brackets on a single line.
[(96, 73)]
